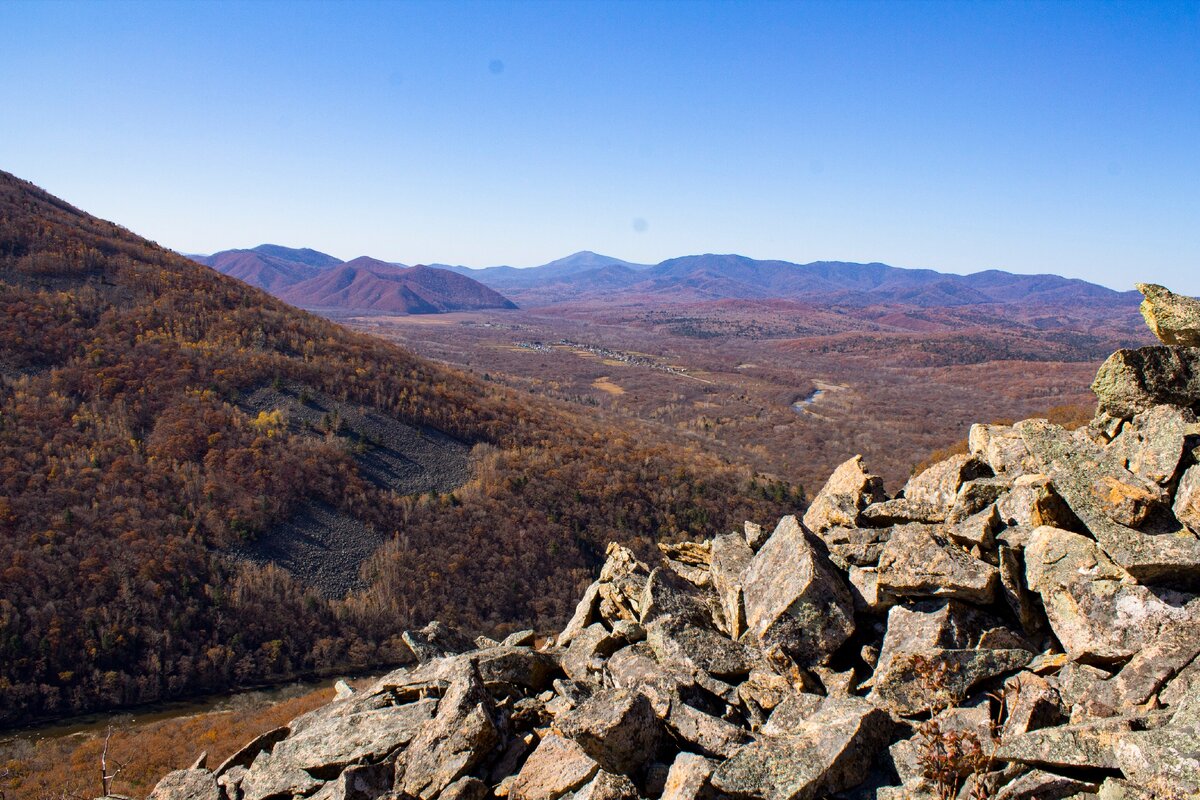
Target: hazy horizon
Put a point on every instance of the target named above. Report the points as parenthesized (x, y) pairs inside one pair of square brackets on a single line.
[(1027, 137)]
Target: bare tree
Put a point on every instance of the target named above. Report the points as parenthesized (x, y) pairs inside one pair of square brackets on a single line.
[(107, 777)]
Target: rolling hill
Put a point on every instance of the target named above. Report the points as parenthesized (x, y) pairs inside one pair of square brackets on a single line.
[(269, 266), (178, 448), (366, 284)]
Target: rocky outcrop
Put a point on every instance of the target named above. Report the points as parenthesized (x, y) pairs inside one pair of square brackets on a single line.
[(1018, 622)]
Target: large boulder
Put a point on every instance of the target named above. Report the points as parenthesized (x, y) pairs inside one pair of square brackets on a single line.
[(832, 752), (938, 485), (436, 640), (915, 562), (462, 734), (1173, 318), (795, 598), (1094, 608), (848, 491), (187, 784), (331, 744), (616, 727), (1133, 381), (556, 767)]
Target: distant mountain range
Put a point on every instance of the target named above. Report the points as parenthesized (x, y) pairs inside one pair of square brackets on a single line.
[(315, 280)]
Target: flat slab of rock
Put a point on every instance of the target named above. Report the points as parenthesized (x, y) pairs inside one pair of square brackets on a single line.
[(556, 767), (795, 598), (914, 563), (370, 735), (834, 752), (688, 778), (1089, 744), (1169, 757), (1096, 611), (901, 689), (1145, 556)]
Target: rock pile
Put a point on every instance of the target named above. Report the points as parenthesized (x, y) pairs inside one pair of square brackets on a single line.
[(1018, 622)]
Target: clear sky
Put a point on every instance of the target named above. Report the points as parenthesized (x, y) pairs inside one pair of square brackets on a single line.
[(1034, 137)]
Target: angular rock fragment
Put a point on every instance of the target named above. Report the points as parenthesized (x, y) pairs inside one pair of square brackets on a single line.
[(1133, 381), (938, 485), (635, 668), (914, 563), (363, 782), (1032, 703), (1095, 610), (731, 555), (900, 511), (622, 580), (1041, 785), (1145, 556), (187, 784), (336, 742), (587, 612), (689, 647), (976, 495), (607, 786), (688, 778), (1153, 443), (462, 734), (666, 594), (556, 767), (524, 638), (794, 597), (834, 752), (587, 652), (1032, 502), (855, 546), (709, 735), (1002, 449), (1167, 758), (755, 534), (1173, 318), (915, 683), (270, 777), (616, 727), (436, 640), (1090, 744), (848, 491), (1187, 499)]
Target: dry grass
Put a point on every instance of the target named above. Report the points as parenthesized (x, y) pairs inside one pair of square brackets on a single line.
[(69, 766)]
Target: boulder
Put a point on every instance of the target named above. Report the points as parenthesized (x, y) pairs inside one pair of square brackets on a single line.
[(363, 782), (616, 727), (916, 683), (848, 491), (622, 580), (832, 753), (703, 732), (976, 495), (688, 648), (635, 668), (1032, 501), (1173, 318), (1187, 499), (270, 777), (1089, 744), (1002, 449), (900, 511), (245, 755), (755, 534), (587, 612), (666, 594), (1094, 608), (436, 640), (525, 638), (607, 786), (855, 547), (1166, 758), (1032, 703), (556, 767), (731, 555), (938, 485), (187, 784), (462, 734), (795, 599), (1074, 468), (916, 563), (329, 745), (585, 657), (1041, 785), (1149, 670), (1153, 443), (689, 777), (1133, 381)]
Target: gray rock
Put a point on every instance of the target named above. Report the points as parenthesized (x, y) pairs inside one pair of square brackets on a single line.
[(524, 638), (755, 534), (369, 735), (1002, 449), (467, 788), (187, 784), (1032, 703), (731, 555), (585, 657), (436, 640), (971, 726), (1187, 499), (977, 532), (864, 588), (587, 612), (516, 666), (1094, 608), (616, 727), (1041, 785), (270, 777), (709, 735), (607, 786), (556, 767), (688, 647), (622, 581), (858, 547), (794, 597), (666, 594), (833, 753), (1016, 594), (1153, 443), (976, 495), (900, 511), (848, 491), (1132, 381), (792, 714), (636, 669), (245, 755), (915, 683), (1166, 757), (462, 734), (1076, 682), (1032, 502), (363, 782), (914, 563), (1173, 318), (1145, 556), (1148, 671), (938, 485), (689, 777), (1090, 744), (342, 690), (1183, 686)]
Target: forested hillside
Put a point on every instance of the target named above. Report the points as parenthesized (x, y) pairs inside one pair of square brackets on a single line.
[(130, 469)]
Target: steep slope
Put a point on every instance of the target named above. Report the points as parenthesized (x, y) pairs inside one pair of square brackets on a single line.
[(367, 284), (150, 428)]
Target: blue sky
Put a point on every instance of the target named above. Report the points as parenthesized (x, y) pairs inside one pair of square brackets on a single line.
[(1035, 137)]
